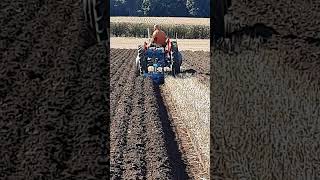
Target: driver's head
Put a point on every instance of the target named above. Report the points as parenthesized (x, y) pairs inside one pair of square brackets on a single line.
[(156, 27)]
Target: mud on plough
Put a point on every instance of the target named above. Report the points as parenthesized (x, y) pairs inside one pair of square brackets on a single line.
[(158, 57)]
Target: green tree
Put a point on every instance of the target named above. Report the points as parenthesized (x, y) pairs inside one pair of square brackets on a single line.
[(204, 6), (131, 7), (146, 7), (177, 8), (118, 8), (139, 5), (158, 7), (192, 7)]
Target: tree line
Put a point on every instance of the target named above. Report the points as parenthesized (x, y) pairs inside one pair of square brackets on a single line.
[(170, 8)]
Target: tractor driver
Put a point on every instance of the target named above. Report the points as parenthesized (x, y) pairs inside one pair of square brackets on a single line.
[(158, 37)]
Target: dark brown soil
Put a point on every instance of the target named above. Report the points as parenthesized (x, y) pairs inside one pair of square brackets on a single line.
[(296, 23), (294, 49), (53, 94), (141, 146), (300, 18), (143, 141), (198, 63)]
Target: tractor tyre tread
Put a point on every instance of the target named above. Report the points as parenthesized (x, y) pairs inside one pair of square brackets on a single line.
[(95, 14), (175, 64)]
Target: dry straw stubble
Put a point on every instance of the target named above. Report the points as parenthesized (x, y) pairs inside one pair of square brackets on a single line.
[(191, 99)]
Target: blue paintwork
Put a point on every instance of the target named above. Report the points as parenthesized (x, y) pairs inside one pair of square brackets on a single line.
[(159, 54)]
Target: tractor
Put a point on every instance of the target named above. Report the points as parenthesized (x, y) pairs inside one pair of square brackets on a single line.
[(220, 8), (95, 14), (159, 58)]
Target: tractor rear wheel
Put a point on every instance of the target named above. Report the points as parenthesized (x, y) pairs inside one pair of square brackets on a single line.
[(175, 63), (138, 69), (95, 14), (141, 62), (144, 65)]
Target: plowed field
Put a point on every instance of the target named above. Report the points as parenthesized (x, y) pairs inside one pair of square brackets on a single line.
[(143, 135), (53, 94)]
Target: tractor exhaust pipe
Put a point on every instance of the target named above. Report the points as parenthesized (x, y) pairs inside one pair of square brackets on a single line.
[(148, 34), (176, 37)]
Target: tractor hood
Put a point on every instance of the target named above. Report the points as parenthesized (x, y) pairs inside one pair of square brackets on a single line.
[(154, 52)]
